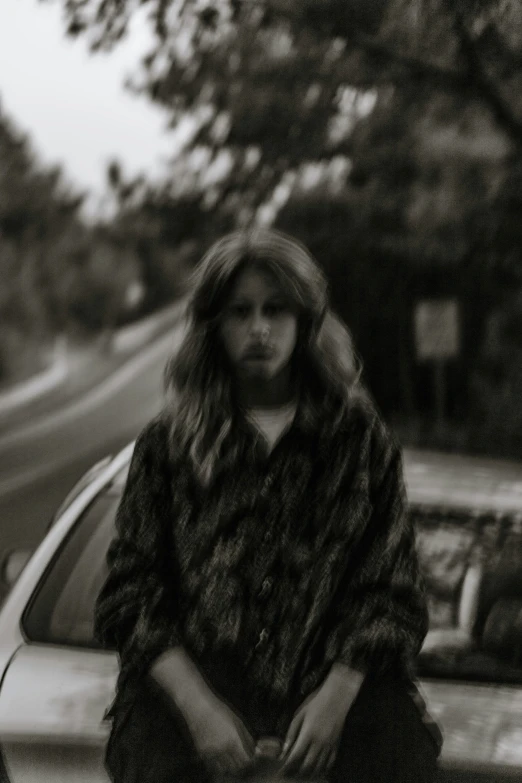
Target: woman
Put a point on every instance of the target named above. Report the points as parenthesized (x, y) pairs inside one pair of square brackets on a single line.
[(263, 581)]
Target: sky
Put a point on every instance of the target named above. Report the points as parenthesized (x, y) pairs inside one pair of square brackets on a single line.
[(73, 105)]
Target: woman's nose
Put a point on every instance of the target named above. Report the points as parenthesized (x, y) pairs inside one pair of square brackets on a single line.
[(258, 324)]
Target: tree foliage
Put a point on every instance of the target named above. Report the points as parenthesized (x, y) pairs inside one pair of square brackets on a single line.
[(271, 85), (39, 230), (162, 228), (222, 54), (59, 274)]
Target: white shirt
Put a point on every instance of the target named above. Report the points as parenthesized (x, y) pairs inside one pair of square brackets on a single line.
[(273, 422)]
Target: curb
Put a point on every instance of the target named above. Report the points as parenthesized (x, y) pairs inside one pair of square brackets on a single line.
[(135, 335), (26, 391), (124, 341)]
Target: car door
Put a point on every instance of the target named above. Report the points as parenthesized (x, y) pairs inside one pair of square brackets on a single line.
[(59, 683)]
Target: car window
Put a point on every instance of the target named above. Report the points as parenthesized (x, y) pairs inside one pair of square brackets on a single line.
[(444, 545), (472, 568), (62, 611), (80, 485)]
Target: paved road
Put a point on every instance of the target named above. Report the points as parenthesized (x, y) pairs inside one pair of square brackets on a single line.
[(40, 463)]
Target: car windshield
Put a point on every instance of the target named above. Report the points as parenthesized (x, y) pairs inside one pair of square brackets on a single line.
[(62, 611), (473, 574), (469, 561)]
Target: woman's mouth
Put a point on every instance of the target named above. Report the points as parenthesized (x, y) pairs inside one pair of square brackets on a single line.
[(258, 354)]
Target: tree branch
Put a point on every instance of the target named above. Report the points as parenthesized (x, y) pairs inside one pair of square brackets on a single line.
[(485, 86), (448, 78)]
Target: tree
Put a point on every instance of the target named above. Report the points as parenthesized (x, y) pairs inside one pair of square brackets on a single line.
[(59, 275), (271, 85), (39, 227), (162, 228), (215, 57)]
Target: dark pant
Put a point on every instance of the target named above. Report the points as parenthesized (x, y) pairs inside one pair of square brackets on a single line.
[(384, 740)]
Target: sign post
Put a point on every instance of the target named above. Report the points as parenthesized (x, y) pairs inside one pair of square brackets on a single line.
[(437, 339)]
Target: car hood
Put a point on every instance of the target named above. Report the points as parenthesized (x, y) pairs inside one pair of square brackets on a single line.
[(463, 482), (51, 694), (481, 723)]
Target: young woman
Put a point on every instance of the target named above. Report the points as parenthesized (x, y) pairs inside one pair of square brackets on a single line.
[(264, 582)]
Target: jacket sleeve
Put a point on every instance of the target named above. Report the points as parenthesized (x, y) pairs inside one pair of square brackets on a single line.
[(137, 610), (386, 617)]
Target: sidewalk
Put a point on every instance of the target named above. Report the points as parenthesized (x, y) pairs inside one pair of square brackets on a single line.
[(78, 369)]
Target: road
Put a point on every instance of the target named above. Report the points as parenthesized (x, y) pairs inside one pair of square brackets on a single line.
[(40, 463)]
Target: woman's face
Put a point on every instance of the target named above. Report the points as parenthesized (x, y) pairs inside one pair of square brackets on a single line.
[(259, 326)]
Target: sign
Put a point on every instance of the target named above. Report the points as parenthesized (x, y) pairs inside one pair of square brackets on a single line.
[(437, 332), (134, 294)]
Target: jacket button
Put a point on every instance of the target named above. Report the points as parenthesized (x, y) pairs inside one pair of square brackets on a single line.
[(263, 637), (266, 587), (267, 486)]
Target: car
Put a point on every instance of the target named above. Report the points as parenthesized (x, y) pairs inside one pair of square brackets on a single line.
[(56, 682)]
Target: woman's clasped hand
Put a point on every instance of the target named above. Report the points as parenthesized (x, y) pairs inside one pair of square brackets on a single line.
[(220, 737), (313, 737), (310, 746)]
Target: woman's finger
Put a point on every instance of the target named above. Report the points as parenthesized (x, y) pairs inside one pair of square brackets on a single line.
[(236, 762), (238, 755), (292, 734), (321, 762), (297, 754), (242, 757), (216, 764), (331, 759), (310, 760), (233, 762), (246, 738)]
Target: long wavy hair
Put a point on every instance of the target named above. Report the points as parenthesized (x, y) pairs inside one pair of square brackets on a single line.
[(200, 404)]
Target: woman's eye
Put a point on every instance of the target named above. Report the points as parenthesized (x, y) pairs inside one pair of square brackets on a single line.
[(275, 309), (238, 311)]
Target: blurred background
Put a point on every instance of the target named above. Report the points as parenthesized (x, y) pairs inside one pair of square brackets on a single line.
[(387, 135)]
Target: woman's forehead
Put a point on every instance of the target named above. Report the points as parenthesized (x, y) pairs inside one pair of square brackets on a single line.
[(255, 283)]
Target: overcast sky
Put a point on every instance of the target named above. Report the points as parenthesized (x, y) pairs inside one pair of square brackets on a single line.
[(73, 105)]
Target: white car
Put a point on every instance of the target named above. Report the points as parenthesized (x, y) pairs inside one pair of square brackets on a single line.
[(56, 682)]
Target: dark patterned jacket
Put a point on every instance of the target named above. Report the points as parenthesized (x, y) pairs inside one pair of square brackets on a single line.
[(288, 563)]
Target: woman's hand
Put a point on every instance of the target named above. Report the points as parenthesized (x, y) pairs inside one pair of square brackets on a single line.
[(313, 737), (220, 737)]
